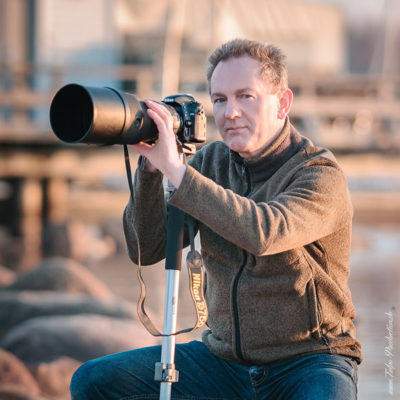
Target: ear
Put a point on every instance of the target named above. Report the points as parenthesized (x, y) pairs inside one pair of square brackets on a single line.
[(285, 101)]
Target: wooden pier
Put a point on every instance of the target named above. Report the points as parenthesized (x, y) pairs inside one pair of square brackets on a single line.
[(42, 180)]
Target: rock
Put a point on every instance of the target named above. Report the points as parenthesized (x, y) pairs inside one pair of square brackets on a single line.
[(7, 277), (13, 392), (61, 274), (14, 373), (81, 337), (56, 240), (54, 378), (18, 306)]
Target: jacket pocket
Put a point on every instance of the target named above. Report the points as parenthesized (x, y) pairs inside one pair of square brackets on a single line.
[(279, 309)]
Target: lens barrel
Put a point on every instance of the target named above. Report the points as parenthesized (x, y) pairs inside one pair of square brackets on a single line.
[(83, 114)]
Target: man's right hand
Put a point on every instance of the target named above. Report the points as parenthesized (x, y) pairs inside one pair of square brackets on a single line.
[(162, 155)]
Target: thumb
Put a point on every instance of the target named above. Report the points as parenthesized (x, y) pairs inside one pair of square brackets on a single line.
[(141, 148)]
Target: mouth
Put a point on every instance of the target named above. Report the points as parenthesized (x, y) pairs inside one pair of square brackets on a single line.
[(234, 129)]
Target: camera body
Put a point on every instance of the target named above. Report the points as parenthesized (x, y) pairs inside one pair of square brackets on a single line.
[(106, 116), (193, 118)]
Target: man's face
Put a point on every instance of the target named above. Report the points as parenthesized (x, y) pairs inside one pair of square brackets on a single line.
[(247, 114)]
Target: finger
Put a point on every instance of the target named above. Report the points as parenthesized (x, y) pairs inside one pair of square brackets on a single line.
[(141, 147), (161, 111), (162, 121), (157, 107)]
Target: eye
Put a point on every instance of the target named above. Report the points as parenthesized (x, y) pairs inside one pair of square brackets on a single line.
[(218, 100), (247, 96)]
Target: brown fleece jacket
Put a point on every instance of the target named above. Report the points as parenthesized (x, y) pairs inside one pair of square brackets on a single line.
[(275, 236)]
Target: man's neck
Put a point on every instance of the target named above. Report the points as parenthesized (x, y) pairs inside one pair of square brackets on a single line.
[(259, 152)]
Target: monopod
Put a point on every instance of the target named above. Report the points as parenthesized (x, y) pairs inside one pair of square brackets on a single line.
[(165, 371)]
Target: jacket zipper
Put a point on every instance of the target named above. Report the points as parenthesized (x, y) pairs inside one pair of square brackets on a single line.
[(238, 347), (321, 332)]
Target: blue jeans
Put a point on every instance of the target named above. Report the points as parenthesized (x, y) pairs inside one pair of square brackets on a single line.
[(130, 375)]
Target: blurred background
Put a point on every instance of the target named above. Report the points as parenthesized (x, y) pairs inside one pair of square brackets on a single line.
[(61, 205)]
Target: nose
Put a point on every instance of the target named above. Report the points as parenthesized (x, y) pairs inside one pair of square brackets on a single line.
[(232, 109)]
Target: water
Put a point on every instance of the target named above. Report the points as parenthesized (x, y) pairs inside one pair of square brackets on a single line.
[(375, 282)]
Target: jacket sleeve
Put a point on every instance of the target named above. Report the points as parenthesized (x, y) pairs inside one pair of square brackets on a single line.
[(145, 219), (313, 204)]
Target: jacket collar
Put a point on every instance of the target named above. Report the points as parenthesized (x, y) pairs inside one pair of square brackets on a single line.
[(283, 147)]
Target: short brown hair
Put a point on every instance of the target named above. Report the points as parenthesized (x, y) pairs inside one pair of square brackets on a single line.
[(272, 60)]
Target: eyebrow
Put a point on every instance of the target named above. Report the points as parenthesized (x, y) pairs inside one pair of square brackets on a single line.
[(238, 91)]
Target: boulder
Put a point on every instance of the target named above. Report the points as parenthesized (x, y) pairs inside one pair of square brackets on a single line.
[(18, 306), (81, 337), (14, 392), (13, 373), (61, 274), (7, 277), (54, 378)]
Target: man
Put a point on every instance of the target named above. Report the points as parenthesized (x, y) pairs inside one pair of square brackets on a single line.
[(274, 217)]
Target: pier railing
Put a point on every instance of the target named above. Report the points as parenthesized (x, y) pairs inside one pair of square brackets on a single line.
[(342, 111)]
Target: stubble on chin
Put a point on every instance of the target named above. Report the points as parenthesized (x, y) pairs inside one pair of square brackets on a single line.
[(235, 144)]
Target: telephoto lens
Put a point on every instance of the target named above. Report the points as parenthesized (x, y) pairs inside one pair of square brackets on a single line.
[(106, 116), (83, 114)]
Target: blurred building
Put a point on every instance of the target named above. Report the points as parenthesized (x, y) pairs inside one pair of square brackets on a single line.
[(173, 36)]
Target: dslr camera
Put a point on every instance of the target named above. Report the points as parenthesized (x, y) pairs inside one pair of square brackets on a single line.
[(106, 116)]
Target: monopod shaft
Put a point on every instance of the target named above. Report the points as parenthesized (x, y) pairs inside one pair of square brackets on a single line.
[(168, 342), (165, 370)]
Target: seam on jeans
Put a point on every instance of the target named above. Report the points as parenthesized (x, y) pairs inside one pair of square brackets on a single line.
[(350, 372), (354, 368)]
